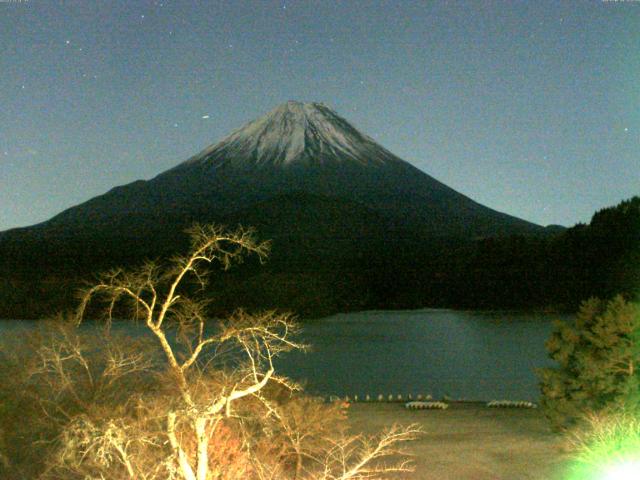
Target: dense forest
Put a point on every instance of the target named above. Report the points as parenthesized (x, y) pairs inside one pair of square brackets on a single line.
[(316, 277)]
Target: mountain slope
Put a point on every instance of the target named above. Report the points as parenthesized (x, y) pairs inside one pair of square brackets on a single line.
[(294, 148)]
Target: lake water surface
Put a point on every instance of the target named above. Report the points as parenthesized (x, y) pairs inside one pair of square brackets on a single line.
[(470, 355)]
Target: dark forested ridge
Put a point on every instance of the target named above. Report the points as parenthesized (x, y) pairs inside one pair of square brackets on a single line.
[(599, 259), (316, 268)]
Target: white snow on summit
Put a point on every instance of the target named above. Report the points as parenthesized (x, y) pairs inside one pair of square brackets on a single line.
[(296, 132)]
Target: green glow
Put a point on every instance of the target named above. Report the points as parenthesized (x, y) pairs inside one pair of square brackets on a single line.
[(608, 448), (611, 469), (623, 471)]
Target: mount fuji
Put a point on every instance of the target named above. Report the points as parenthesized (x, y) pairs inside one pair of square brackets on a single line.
[(296, 149), (324, 192)]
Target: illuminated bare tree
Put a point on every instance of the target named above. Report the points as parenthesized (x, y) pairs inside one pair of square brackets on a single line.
[(215, 410)]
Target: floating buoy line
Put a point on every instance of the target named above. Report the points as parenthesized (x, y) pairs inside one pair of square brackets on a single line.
[(423, 402)]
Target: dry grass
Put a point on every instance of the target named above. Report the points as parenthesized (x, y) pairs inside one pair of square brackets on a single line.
[(471, 442)]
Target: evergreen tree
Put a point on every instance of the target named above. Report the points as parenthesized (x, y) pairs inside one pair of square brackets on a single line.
[(598, 362)]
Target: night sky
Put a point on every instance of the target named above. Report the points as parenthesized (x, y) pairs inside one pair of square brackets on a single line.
[(531, 108)]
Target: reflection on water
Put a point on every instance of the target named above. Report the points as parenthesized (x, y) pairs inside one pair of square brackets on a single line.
[(477, 356)]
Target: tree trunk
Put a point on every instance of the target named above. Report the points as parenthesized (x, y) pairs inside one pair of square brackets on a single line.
[(203, 448), (183, 461)]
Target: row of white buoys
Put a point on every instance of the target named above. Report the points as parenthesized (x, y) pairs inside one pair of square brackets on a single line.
[(380, 398), (424, 401), (426, 405), (510, 404)]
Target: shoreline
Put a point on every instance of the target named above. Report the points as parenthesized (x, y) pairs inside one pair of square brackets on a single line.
[(310, 318)]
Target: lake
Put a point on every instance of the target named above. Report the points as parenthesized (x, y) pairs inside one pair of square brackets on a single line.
[(465, 355)]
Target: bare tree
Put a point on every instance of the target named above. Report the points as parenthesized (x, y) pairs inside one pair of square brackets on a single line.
[(219, 391)]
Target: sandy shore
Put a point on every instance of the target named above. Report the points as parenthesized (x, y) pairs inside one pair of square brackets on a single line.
[(469, 441)]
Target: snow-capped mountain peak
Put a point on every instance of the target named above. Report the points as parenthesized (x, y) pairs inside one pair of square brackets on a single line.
[(295, 133)]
